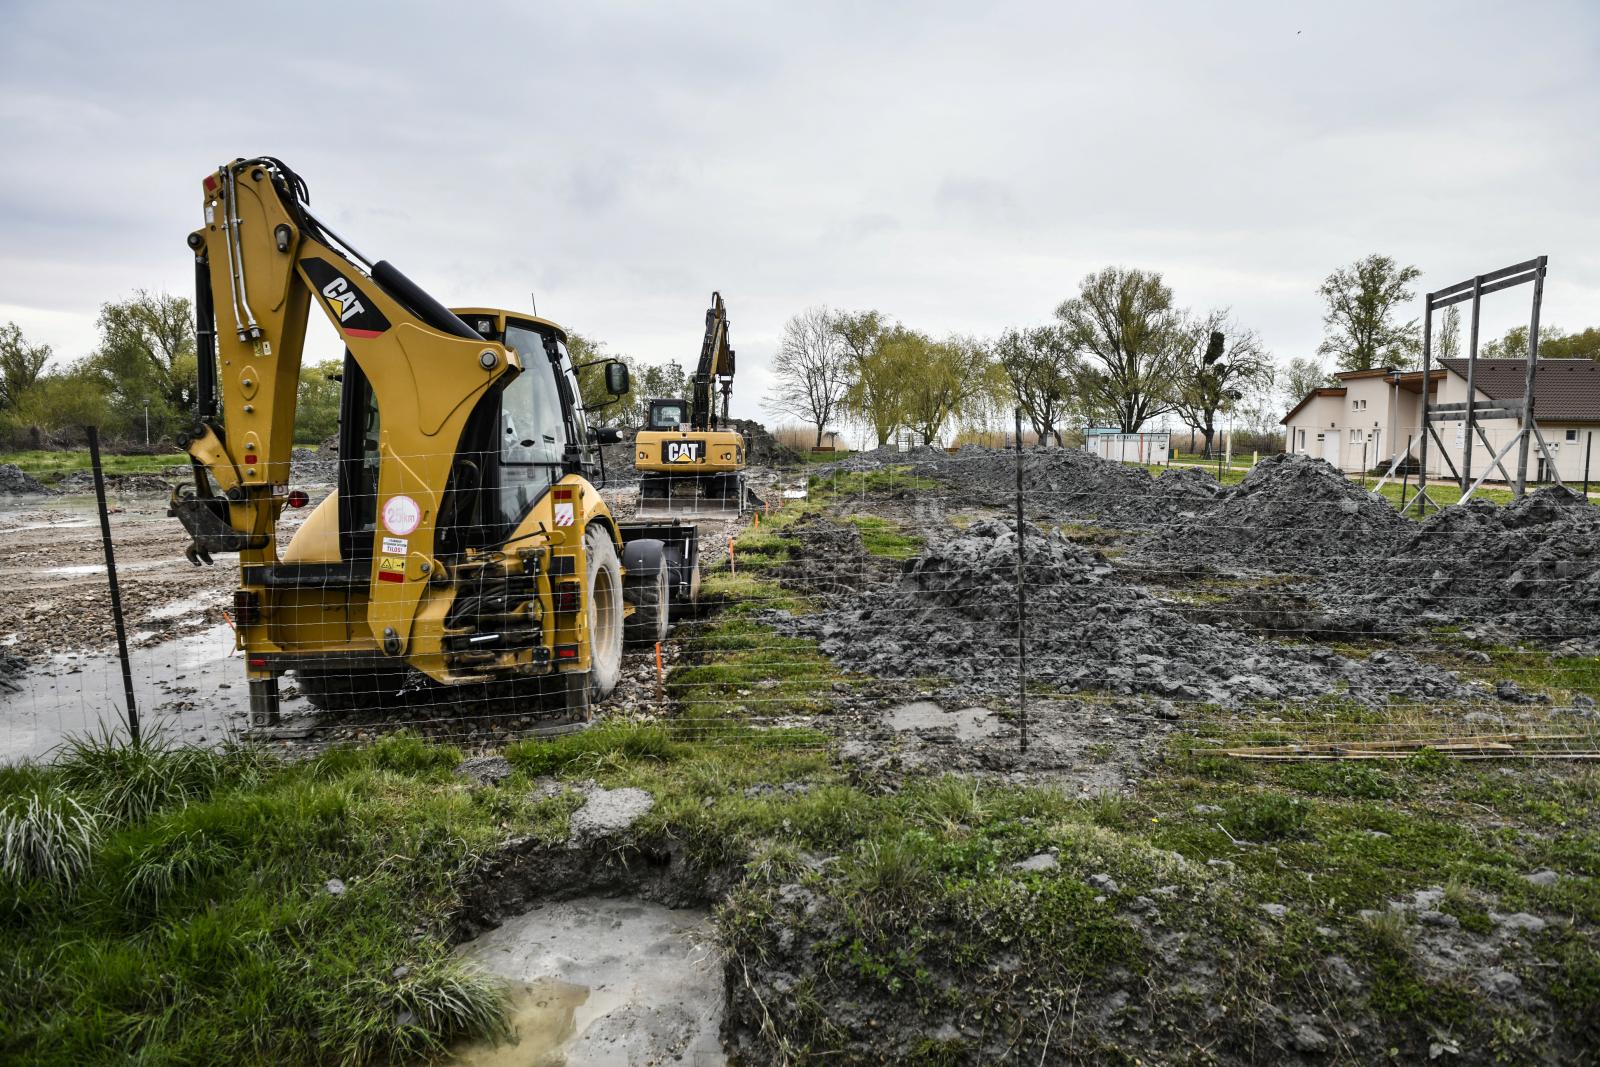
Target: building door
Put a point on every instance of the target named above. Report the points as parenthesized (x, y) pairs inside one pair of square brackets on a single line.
[(1330, 446)]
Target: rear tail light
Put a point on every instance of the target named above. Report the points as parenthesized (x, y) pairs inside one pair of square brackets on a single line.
[(258, 663), (567, 597), (566, 652), (246, 608), (298, 498)]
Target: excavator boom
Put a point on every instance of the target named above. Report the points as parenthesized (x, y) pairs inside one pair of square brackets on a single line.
[(694, 466)]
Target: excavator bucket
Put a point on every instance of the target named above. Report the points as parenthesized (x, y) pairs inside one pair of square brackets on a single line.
[(687, 496)]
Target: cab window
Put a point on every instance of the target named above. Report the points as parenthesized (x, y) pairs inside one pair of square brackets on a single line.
[(532, 429), (667, 415)]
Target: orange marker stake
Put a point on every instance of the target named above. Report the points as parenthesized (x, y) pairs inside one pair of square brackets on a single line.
[(758, 520), (732, 569), (661, 674)]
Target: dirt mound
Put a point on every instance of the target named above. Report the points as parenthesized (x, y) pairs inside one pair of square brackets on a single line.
[(317, 466), (1291, 515), (953, 612), (83, 482), (827, 558), (886, 456), (1056, 483), (13, 479), (766, 450), (1532, 567)]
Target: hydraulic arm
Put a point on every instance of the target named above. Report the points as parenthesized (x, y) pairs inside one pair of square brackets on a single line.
[(463, 542)]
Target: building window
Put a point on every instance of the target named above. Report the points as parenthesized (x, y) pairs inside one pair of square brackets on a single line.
[(1355, 437), (1572, 435)]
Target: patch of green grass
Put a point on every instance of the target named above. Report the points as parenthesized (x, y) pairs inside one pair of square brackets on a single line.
[(602, 743), (201, 926), (896, 480), (1267, 817), (883, 537), (1341, 780), (50, 467)]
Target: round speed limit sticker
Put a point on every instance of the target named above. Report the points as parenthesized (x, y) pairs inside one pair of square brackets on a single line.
[(401, 515)]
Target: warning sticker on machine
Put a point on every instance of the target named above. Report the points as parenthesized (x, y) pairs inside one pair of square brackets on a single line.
[(564, 513), (396, 546), (391, 569)]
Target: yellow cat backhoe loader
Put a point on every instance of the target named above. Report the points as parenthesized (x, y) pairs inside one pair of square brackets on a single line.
[(465, 558), (690, 463)]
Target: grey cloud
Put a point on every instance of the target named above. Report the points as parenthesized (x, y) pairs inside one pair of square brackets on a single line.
[(958, 166)]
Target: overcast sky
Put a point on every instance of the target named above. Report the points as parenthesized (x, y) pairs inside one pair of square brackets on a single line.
[(959, 166)]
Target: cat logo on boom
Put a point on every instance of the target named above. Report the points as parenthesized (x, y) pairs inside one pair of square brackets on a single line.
[(346, 301), (339, 292)]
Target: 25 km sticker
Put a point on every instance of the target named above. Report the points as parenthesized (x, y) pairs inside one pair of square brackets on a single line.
[(401, 515)]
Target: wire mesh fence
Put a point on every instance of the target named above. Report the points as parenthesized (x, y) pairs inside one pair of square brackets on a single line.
[(888, 605)]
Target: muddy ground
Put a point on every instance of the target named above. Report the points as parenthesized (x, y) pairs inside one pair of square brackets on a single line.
[(1163, 618)]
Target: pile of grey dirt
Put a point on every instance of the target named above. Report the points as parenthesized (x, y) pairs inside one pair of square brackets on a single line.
[(953, 613), (319, 466), (1291, 515), (83, 482), (1058, 483), (765, 450), (885, 456), (18, 482), (1531, 568)]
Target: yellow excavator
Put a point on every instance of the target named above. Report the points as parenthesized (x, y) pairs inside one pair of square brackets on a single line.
[(690, 463), (464, 558)]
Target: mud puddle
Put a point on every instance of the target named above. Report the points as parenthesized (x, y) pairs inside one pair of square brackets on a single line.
[(604, 981), (191, 689), (968, 724)]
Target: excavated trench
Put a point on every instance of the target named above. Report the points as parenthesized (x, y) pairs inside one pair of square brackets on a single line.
[(608, 949)]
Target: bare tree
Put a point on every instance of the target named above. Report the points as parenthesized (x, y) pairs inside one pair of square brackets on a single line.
[(1040, 366), (1218, 362), (813, 370), (1360, 325), (1123, 324)]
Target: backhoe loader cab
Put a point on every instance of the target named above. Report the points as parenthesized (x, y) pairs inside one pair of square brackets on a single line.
[(465, 556)]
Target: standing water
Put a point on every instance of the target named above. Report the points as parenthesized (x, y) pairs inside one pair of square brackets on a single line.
[(600, 982)]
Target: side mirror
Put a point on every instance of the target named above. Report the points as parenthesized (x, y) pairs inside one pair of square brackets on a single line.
[(606, 435), (616, 378)]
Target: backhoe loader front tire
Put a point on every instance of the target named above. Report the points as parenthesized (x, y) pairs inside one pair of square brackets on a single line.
[(605, 612)]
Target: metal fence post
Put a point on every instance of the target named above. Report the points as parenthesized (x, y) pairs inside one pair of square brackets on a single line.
[(1022, 606), (111, 580), (1588, 447)]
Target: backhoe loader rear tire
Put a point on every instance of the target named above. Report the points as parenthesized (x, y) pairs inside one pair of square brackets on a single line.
[(651, 595), (605, 612)]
